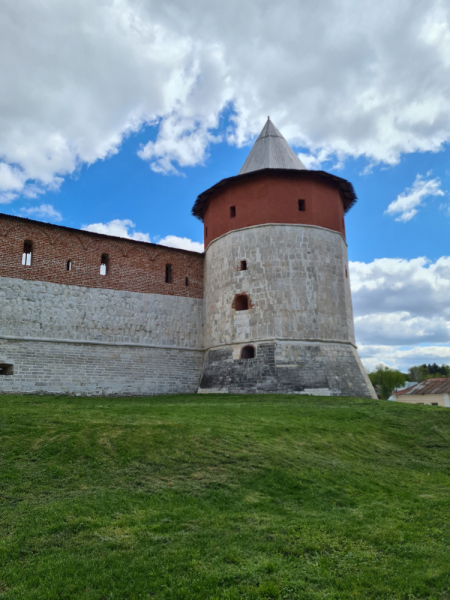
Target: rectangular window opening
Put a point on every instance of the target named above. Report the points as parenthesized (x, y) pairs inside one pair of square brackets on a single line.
[(169, 273), (243, 265), (187, 281), (27, 253), (69, 265), (232, 211), (301, 205), (104, 265), (6, 369)]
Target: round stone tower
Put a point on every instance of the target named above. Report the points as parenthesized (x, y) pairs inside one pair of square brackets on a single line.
[(277, 301)]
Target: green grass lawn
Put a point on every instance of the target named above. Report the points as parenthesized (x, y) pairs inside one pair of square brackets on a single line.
[(223, 497)]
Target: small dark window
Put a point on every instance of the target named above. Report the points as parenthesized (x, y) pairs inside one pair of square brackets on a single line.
[(241, 302), (27, 253), (435, 404), (187, 281), (69, 265), (243, 265), (301, 205), (346, 272), (104, 265), (248, 352), (168, 273), (232, 211), (6, 369)]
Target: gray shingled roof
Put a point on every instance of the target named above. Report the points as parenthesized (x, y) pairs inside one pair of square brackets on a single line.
[(271, 151)]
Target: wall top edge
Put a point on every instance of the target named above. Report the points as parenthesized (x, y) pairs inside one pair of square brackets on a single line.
[(94, 234)]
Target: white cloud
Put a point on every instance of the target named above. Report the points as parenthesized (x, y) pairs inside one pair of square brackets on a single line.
[(401, 310), (179, 140), (119, 228), (181, 242), (338, 78), (408, 201), (125, 228), (44, 211), (403, 358)]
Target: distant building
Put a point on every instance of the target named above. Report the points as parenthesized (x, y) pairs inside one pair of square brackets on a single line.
[(400, 388), (430, 391)]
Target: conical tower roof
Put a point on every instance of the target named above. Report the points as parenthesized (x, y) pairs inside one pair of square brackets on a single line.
[(271, 151)]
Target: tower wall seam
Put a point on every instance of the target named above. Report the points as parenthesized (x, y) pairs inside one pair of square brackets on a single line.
[(275, 225)]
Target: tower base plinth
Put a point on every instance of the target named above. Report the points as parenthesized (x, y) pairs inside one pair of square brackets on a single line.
[(323, 369)]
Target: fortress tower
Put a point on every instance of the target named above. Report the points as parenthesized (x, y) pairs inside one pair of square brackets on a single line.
[(266, 307), (277, 303)]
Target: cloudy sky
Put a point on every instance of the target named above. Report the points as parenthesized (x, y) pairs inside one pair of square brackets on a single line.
[(116, 114)]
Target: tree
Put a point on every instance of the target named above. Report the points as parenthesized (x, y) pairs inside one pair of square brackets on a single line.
[(422, 372), (387, 379)]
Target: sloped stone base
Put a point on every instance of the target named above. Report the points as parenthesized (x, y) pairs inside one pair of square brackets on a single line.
[(324, 369)]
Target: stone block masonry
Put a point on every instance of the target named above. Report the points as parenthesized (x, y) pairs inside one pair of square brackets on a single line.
[(96, 370), (67, 339), (132, 266), (289, 368), (35, 309), (299, 316)]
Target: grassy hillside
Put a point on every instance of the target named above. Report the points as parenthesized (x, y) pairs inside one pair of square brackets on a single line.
[(227, 497)]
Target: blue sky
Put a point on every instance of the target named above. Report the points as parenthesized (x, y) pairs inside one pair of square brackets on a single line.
[(118, 125)]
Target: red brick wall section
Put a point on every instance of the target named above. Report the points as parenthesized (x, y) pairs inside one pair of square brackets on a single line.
[(133, 266), (273, 199)]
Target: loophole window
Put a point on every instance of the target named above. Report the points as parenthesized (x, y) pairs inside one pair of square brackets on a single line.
[(6, 369), (243, 265), (248, 352), (241, 302), (232, 211), (186, 281), (169, 273), (301, 205), (104, 265), (69, 265), (27, 253)]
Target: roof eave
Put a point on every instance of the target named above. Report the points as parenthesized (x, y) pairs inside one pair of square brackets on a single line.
[(345, 187)]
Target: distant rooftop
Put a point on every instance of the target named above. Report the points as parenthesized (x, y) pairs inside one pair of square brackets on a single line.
[(271, 151), (428, 386)]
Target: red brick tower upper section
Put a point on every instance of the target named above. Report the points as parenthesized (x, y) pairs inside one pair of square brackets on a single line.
[(273, 186)]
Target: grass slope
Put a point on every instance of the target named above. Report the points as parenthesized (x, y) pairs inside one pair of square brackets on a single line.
[(223, 497)]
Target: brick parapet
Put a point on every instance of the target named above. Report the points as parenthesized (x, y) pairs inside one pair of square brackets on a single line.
[(133, 266)]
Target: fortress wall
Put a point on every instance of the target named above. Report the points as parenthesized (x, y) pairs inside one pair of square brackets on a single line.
[(77, 340), (297, 281), (96, 370), (133, 266), (49, 310)]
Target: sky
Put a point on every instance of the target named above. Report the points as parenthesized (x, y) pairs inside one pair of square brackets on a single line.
[(116, 114)]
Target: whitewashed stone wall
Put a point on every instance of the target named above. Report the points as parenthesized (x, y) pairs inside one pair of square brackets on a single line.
[(300, 321), (76, 340), (52, 310), (295, 279)]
